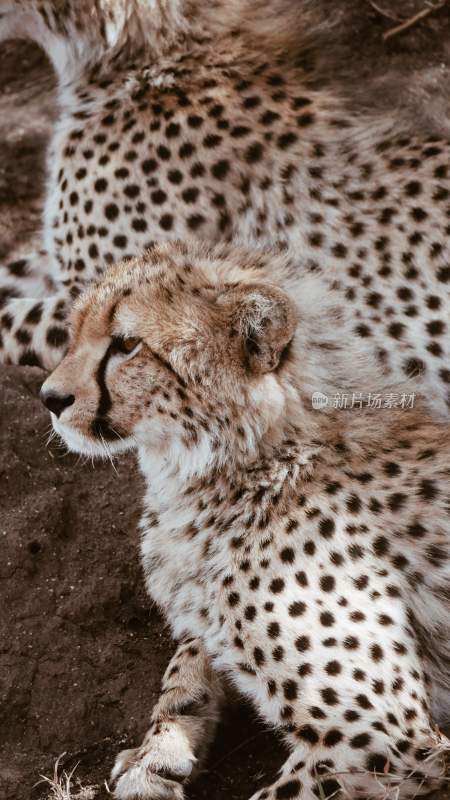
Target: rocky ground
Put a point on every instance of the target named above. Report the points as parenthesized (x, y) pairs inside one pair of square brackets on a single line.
[(82, 649)]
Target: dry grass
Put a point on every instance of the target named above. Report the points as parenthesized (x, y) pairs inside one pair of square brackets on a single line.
[(61, 786)]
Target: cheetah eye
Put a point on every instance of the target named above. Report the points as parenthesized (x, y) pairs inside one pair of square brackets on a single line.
[(125, 344)]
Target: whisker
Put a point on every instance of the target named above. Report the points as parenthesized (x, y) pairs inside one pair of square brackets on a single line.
[(108, 452)]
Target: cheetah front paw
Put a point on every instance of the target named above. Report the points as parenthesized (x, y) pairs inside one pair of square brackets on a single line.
[(156, 770)]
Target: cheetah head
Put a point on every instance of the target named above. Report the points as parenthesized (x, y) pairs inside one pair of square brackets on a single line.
[(184, 352)]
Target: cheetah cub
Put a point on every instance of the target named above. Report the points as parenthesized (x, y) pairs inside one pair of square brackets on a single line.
[(182, 118), (301, 552)]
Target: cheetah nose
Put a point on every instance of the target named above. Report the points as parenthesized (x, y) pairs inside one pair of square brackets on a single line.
[(56, 403)]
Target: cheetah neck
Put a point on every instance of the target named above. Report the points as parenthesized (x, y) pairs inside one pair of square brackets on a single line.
[(104, 36), (278, 475), (78, 33)]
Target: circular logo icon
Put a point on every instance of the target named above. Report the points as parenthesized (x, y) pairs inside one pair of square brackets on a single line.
[(319, 400)]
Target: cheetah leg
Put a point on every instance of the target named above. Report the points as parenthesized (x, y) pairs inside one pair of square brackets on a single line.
[(33, 331), (32, 276), (183, 724), (33, 310)]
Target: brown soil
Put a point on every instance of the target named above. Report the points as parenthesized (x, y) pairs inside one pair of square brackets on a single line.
[(82, 647)]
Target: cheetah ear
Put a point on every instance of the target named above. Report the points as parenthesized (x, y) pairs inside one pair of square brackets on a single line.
[(265, 320)]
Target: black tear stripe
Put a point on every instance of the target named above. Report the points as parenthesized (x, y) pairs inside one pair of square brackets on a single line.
[(100, 426)]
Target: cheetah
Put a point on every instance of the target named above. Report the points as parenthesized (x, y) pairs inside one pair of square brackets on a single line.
[(301, 552), (179, 118)]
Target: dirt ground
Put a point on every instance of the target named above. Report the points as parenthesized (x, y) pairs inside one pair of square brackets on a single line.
[(81, 647)]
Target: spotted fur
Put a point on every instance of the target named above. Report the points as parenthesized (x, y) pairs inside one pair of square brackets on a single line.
[(305, 551), (180, 118)]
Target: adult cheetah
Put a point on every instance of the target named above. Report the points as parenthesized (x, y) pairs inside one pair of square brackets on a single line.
[(179, 117), (304, 553)]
